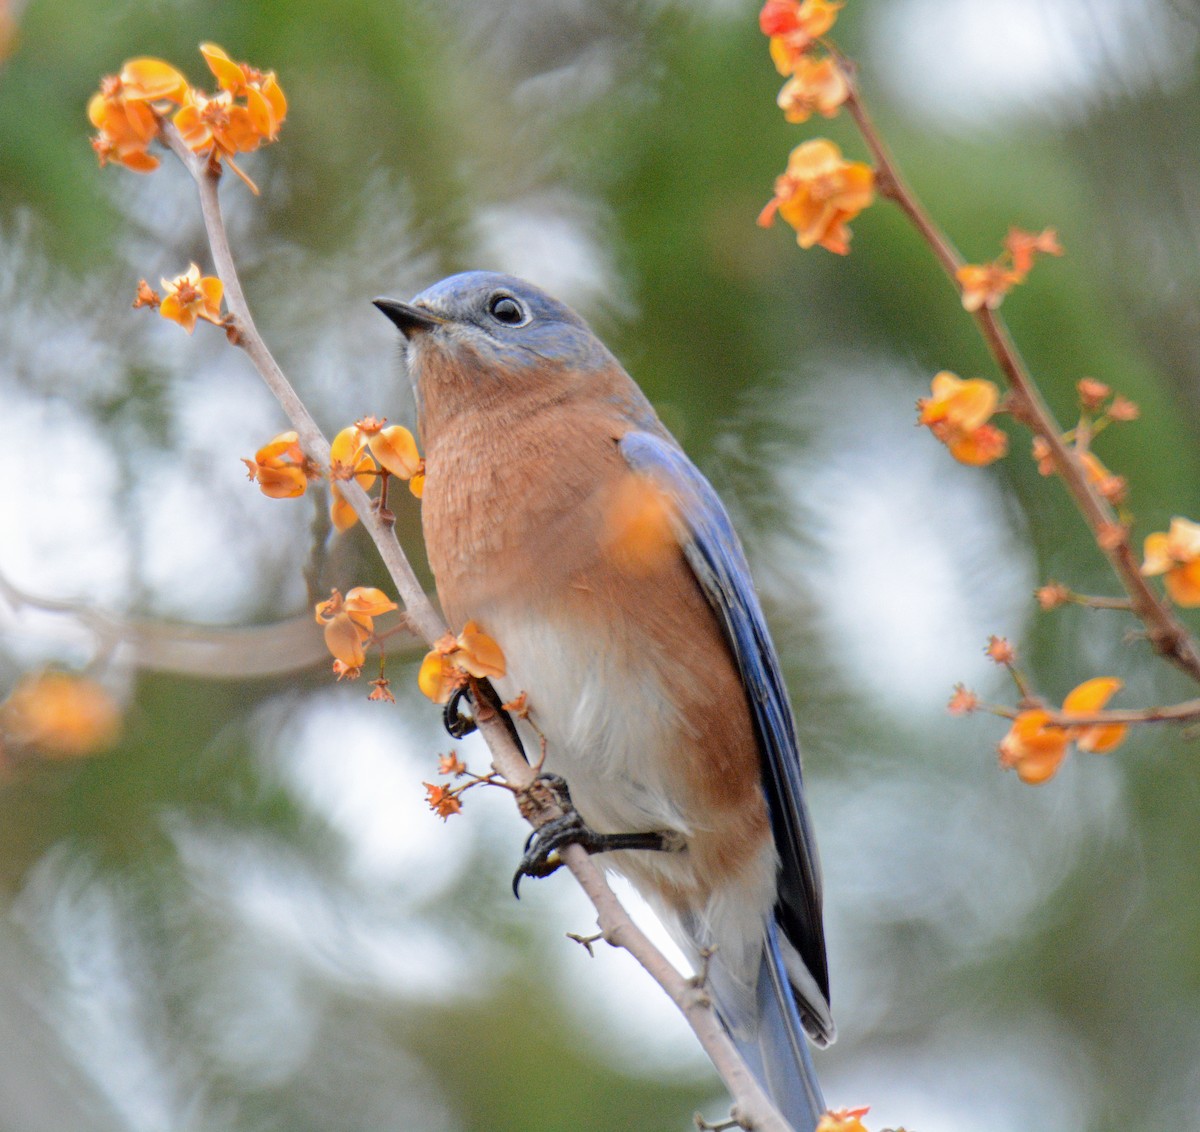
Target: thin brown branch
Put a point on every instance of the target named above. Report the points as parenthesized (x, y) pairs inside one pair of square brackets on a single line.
[(206, 651), (1164, 631), (1186, 711), (749, 1099), (1094, 601)]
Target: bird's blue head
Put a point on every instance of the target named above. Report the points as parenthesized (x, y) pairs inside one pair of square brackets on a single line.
[(482, 319)]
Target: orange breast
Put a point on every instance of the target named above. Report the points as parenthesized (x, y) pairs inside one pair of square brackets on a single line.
[(528, 515)]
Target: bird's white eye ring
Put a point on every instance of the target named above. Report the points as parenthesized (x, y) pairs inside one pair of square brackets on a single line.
[(504, 308)]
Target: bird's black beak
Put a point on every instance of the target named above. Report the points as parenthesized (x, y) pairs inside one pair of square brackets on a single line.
[(411, 320)]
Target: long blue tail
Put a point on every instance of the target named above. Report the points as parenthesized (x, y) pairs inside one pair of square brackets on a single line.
[(772, 1040)]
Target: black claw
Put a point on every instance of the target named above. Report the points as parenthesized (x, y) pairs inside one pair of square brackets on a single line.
[(458, 725), (541, 856)]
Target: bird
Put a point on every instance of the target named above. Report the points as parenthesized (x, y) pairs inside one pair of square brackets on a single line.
[(562, 517)]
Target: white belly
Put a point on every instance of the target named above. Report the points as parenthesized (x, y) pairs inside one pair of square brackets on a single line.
[(605, 719), (606, 723)]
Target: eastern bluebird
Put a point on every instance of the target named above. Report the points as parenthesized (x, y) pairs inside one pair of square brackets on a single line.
[(561, 516)]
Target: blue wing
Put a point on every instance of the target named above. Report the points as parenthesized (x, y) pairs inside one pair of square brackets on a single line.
[(715, 555)]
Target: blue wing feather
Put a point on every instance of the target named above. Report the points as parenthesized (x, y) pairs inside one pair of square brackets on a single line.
[(715, 555)]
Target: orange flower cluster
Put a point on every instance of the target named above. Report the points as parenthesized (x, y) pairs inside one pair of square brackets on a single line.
[(447, 666), (131, 106), (442, 800), (354, 452), (1175, 554), (843, 1120), (1035, 747), (813, 83), (819, 194), (959, 415), (59, 715), (350, 624), (986, 284), (282, 471), (794, 26), (446, 800), (1099, 408), (280, 468), (821, 191)]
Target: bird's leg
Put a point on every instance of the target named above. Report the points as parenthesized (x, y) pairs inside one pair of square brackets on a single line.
[(541, 857), (482, 698)]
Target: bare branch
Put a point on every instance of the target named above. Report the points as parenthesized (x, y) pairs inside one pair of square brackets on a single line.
[(209, 652)]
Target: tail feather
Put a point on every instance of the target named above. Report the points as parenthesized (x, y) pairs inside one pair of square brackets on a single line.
[(770, 1036)]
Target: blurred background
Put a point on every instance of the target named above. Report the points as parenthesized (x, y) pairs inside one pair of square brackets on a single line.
[(243, 916)]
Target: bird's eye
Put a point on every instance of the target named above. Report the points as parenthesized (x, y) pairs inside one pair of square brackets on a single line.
[(506, 309)]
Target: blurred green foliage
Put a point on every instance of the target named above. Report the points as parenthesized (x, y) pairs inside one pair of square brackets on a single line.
[(651, 128)]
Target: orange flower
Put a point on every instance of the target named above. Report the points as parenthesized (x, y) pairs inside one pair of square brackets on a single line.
[(1000, 650), (1114, 488), (123, 114), (816, 84), (843, 1120), (349, 459), (281, 468), (382, 690), (442, 800), (125, 132), (1024, 247), (146, 296), (1035, 747), (819, 194), (1052, 595), (349, 623), (963, 702), (794, 27), (1092, 393), (151, 80), (452, 659), (1040, 451), (60, 715), (1087, 699), (204, 123), (396, 450), (985, 285), (189, 297), (958, 414), (438, 678), (1123, 409), (1176, 555), (265, 100)]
